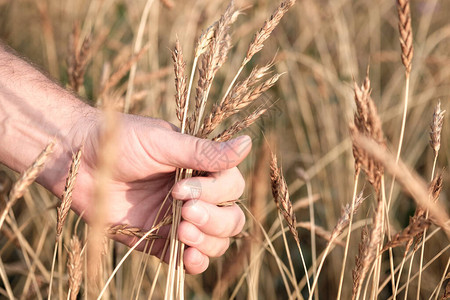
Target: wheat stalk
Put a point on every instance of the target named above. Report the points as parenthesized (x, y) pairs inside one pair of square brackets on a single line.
[(281, 196), (25, 179), (74, 267), (283, 202), (213, 58), (436, 128), (128, 230), (375, 241), (406, 36), (435, 143), (66, 199), (78, 59), (362, 253), (414, 229), (241, 96), (179, 66), (260, 37)]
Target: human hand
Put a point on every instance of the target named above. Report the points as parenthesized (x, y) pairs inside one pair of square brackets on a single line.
[(149, 151)]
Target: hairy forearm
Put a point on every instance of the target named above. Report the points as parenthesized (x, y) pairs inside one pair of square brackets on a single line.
[(33, 111)]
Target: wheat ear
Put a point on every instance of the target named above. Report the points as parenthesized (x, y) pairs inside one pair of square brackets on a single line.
[(435, 142), (179, 66), (260, 37), (74, 267), (26, 178), (66, 199)]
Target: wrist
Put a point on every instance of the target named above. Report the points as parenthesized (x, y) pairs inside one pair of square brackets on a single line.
[(34, 111), (71, 134)]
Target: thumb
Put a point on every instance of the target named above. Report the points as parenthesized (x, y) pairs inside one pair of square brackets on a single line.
[(189, 152)]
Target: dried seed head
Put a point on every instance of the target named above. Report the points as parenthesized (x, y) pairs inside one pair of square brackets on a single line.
[(415, 228), (66, 199), (240, 125), (367, 123), (436, 187), (179, 66), (436, 128), (281, 196), (345, 216), (213, 58), (243, 94), (375, 241), (269, 25), (75, 267), (30, 174), (406, 36), (362, 253)]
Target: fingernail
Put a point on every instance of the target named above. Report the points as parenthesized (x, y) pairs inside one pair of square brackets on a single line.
[(243, 141), (196, 213)]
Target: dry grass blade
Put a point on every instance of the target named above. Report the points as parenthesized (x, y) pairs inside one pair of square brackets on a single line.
[(263, 34), (280, 194), (406, 36), (180, 80), (412, 230), (362, 253), (66, 199), (408, 179), (436, 128), (74, 267), (345, 216), (27, 178)]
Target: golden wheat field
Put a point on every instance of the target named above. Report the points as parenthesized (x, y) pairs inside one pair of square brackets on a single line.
[(346, 186)]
